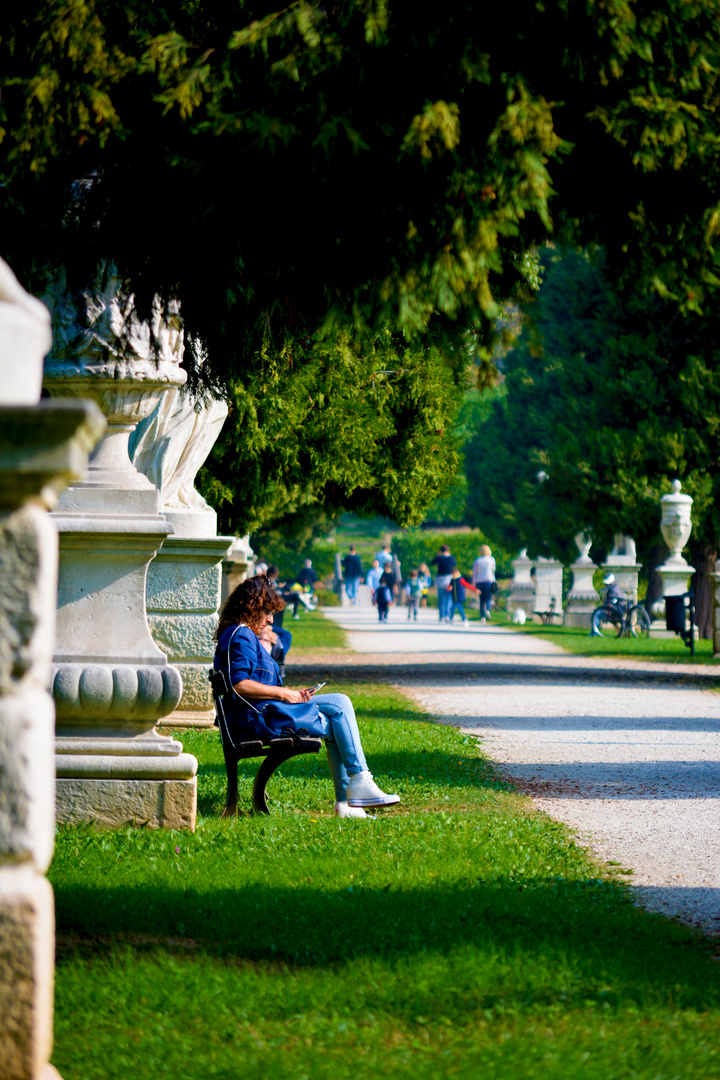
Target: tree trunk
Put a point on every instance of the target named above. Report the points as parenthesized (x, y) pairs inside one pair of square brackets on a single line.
[(702, 557)]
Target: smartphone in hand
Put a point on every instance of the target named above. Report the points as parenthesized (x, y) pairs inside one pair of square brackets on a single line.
[(314, 689)]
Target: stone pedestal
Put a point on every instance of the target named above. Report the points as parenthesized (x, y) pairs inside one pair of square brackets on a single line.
[(622, 562), (41, 448), (676, 526), (183, 598), (110, 681), (184, 579), (583, 597), (237, 565), (548, 585), (522, 587)]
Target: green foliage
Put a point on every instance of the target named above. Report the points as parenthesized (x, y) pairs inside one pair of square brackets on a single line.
[(611, 401), (451, 508), (253, 164), (420, 545), (310, 197), (321, 424), (461, 936), (327, 598)]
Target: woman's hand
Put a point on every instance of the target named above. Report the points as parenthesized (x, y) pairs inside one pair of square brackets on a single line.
[(295, 697)]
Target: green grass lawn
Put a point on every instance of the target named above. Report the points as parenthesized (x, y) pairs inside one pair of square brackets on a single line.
[(460, 935), (581, 643), (313, 631)]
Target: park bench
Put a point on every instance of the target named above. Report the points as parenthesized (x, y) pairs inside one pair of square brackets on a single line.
[(548, 616), (274, 753)]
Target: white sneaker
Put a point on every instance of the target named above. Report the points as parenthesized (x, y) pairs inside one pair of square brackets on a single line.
[(343, 810), (363, 791)]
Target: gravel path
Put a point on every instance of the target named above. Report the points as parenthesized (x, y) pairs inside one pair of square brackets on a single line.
[(626, 753)]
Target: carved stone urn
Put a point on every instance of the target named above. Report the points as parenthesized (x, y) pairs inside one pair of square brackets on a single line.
[(183, 586), (582, 598), (676, 526), (676, 522), (110, 681)]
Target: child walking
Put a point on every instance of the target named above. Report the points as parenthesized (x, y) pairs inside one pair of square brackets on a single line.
[(385, 593), (414, 591), (457, 588)]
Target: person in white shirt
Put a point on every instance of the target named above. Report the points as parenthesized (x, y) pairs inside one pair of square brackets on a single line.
[(483, 576), (384, 557), (372, 578)]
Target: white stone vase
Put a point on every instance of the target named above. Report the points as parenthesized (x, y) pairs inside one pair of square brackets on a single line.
[(676, 522)]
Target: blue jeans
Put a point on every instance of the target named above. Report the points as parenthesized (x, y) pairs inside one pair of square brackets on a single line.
[(444, 597), (351, 585), (460, 607), (485, 588), (342, 743)]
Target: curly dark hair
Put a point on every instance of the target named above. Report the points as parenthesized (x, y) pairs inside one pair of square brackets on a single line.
[(248, 601)]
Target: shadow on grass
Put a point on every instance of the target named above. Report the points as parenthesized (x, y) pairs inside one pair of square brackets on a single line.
[(609, 951)]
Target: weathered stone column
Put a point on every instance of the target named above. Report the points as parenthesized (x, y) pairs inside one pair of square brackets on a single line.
[(110, 681), (548, 585), (522, 587), (42, 446), (676, 526), (622, 562), (582, 598), (184, 579)]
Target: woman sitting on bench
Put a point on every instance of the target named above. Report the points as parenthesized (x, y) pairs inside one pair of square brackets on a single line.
[(254, 676)]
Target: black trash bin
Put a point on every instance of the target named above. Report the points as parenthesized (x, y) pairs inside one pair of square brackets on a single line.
[(675, 613)]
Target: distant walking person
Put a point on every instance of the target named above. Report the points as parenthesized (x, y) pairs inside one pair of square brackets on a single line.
[(445, 564), (483, 576), (307, 576), (458, 596), (352, 573), (384, 557), (373, 579), (426, 581), (385, 593), (413, 591)]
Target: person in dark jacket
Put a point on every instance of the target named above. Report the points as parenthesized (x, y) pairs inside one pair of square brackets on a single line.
[(307, 576), (444, 563), (352, 573), (385, 592), (458, 596)]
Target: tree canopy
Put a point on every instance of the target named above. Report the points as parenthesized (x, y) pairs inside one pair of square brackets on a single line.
[(605, 404), (330, 173)]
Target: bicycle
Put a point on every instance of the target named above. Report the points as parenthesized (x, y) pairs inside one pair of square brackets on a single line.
[(619, 618)]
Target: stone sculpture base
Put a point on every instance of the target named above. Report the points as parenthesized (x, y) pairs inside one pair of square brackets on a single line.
[(183, 597), (156, 804), (27, 959), (521, 600), (578, 615), (675, 575)]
